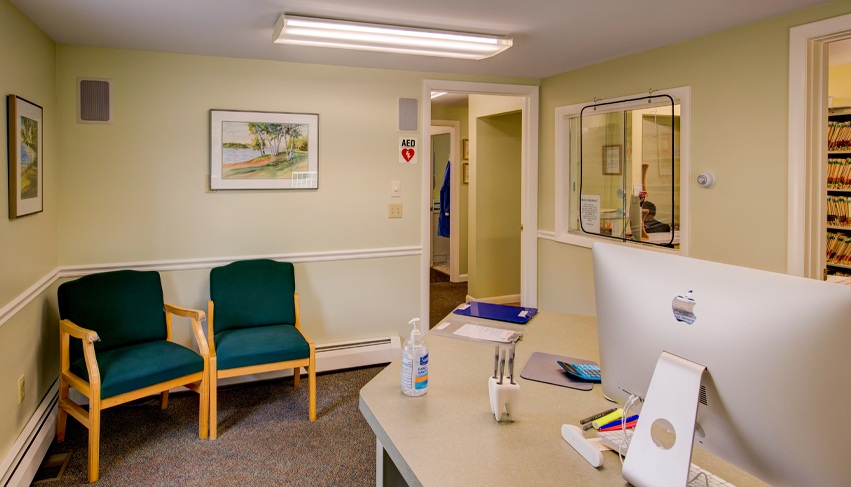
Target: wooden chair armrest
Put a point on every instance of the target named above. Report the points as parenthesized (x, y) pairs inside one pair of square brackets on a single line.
[(185, 312), (307, 338), (88, 337), (196, 316), (80, 333)]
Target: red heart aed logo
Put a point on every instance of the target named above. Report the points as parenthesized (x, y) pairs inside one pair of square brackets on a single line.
[(408, 154)]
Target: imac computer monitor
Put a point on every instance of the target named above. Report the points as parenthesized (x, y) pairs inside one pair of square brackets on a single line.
[(776, 392)]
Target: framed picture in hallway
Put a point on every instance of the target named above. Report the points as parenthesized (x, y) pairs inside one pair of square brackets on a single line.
[(465, 149), (466, 169), (26, 157), (264, 150)]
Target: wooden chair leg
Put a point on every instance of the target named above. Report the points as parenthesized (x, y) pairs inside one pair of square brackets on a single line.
[(204, 414), (214, 418), (311, 373), (296, 376), (94, 438), (163, 399), (62, 417)]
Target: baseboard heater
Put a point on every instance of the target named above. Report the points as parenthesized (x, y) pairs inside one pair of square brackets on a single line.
[(20, 465)]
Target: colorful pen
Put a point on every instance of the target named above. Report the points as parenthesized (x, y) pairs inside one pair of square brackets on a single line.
[(629, 425), (617, 422)]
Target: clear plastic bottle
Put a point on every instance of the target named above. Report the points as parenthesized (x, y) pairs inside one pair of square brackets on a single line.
[(414, 363)]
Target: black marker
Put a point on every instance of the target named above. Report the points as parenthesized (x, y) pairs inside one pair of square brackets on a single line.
[(597, 416)]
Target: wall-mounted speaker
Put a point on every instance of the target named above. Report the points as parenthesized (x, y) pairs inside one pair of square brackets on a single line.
[(94, 100), (407, 114)]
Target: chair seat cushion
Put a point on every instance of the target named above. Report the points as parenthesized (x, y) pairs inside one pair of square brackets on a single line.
[(138, 366), (244, 347)]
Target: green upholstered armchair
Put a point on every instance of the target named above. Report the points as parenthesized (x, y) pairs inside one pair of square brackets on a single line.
[(254, 326), (122, 349)]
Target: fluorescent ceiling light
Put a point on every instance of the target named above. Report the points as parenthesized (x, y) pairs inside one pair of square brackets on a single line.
[(435, 94), (342, 34)]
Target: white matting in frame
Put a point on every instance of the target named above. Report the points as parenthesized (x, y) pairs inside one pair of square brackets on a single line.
[(263, 150)]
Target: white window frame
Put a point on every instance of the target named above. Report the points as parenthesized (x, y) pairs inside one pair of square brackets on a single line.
[(681, 95)]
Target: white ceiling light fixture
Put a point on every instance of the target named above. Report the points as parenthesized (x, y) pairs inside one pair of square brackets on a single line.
[(342, 34)]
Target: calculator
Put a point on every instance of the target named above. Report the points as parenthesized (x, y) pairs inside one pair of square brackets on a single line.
[(582, 371)]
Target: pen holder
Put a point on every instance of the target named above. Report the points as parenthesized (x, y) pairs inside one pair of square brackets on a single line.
[(504, 398)]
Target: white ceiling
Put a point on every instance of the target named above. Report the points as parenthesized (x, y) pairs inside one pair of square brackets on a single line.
[(550, 36)]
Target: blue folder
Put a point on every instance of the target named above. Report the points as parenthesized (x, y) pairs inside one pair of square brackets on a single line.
[(500, 312)]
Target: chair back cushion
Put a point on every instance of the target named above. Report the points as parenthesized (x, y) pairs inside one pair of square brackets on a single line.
[(252, 293), (123, 307)]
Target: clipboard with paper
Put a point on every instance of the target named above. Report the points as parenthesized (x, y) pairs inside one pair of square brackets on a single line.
[(499, 312)]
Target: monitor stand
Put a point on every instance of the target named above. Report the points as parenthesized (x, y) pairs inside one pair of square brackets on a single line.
[(673, 396)]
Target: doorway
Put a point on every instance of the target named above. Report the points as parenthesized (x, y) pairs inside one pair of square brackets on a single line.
[(525, 98)]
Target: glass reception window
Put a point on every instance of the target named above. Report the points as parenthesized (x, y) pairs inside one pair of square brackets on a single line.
[(624, 160)]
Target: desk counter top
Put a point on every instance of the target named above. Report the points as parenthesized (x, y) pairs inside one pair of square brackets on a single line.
[(449, 436)]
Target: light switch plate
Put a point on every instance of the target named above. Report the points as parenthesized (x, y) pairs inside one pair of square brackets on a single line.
[(394, 210), (395, 189)]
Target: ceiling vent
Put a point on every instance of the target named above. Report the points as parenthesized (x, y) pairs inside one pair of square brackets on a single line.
[(94, 100), (407, 114)]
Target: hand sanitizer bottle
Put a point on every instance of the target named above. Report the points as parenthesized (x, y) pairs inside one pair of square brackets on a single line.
[(414, 363)]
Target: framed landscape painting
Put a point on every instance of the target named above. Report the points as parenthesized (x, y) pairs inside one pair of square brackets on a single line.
[(264, 150), (26, 157)]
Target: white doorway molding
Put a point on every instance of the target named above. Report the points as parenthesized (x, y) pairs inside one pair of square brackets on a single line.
[(807, 212), (453, 128), (528, 182)]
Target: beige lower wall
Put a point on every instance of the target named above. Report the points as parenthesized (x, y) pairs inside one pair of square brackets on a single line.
[(29, 346), (739, 81)]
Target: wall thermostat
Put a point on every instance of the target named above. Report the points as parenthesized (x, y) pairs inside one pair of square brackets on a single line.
[(706, 179)]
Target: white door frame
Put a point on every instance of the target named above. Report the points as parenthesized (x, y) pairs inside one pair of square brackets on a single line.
[(453, 128), (806, 224), (528, 182)]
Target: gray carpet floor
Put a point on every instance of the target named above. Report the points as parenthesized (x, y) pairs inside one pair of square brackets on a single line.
[(265, 438), (444, 296)]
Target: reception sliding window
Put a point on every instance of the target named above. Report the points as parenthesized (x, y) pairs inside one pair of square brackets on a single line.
[(624, 159)]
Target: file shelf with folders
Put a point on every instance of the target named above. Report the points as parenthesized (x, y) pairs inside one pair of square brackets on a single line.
[(838, 262)]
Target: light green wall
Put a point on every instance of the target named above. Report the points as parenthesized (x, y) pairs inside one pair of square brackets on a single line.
[(440, 148), (742, 219), (481, 106), (136, 189), (28, 245), (499, 169), (459, 115), (839, 85)]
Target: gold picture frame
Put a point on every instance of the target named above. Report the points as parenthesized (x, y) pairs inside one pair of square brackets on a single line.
[(465, 149), (26, 157), (465, 169)]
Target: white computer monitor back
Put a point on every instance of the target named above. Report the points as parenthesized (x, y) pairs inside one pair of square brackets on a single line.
[(777, 350)]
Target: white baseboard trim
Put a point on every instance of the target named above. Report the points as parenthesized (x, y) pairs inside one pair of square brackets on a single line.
[(9, 310), (463, 277), (511, 298), (331, 356), (21, 463)]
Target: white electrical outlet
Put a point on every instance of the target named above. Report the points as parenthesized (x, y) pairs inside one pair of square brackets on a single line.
[(21, 390), (394, 210)]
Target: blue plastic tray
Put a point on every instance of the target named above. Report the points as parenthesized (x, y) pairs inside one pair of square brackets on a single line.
[(499, 312)]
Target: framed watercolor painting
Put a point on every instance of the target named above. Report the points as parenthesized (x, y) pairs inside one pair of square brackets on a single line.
[(26, 157), (264, 150)]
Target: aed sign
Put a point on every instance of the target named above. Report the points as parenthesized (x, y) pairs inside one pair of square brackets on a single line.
[(408, 150)]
